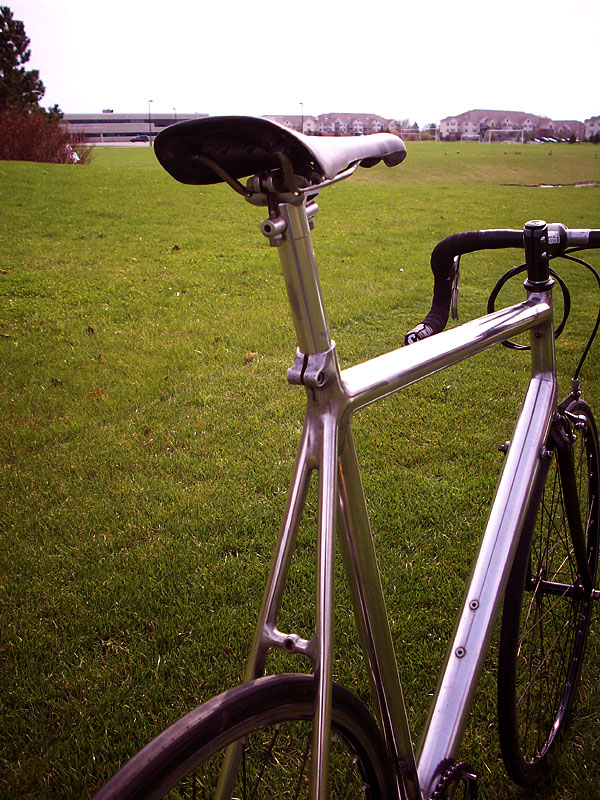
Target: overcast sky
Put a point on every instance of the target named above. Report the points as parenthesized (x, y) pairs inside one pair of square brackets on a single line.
[(417, 59)]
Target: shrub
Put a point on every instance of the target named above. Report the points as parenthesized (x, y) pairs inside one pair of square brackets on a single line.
[(39, 136)]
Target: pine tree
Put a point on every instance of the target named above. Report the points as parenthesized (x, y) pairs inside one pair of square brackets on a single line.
[(20, 88)]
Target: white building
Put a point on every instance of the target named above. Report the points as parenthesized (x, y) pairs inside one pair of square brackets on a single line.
[(111, 127)]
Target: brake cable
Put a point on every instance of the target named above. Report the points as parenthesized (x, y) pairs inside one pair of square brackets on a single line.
[(566, 302), (511, 274), (567, 255)]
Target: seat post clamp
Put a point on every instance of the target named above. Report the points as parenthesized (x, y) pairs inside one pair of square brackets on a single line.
[(315, 370), (274, 230)]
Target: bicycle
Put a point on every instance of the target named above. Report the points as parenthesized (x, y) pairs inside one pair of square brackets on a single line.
[(539, 552)]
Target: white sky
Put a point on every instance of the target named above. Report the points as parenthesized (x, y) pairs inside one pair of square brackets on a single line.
[(417, 59)]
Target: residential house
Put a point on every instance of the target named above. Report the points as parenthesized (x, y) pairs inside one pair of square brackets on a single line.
[(296, 122), (566, 128), (478, 121), (592, 127), (341, 124)]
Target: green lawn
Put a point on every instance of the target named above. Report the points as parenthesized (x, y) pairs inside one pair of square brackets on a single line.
[(147, 437)]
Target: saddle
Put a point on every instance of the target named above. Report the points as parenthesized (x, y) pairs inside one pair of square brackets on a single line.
[(204, 151)]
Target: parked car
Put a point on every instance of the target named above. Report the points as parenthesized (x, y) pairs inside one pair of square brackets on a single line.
[(140, 138)]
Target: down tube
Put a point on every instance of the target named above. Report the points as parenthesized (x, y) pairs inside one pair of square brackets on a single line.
[(467, 653)]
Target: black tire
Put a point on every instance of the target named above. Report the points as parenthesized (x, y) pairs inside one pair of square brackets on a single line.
[(273, 717), (543, 634)]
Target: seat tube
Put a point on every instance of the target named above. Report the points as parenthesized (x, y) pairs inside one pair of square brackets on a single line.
[(292, 223), (299, 267)]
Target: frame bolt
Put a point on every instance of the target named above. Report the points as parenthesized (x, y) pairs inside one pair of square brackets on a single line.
[(460, 652), (274, 228)]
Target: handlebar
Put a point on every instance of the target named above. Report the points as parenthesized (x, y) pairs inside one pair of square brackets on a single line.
[(443, 264)]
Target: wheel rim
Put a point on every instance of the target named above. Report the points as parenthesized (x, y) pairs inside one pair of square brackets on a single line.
[(272, 719), (276, 763), (553, 625)]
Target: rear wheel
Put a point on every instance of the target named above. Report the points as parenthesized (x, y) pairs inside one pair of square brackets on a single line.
[(272, 717), (547, 613)]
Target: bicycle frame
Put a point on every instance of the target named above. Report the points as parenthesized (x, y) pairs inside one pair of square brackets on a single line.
[(327, 446)]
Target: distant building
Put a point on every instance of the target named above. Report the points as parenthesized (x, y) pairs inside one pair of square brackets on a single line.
[(296, 122), (478, 121), (110, 127), (566, 128), (470, 124), (334, 124), (592, 127)]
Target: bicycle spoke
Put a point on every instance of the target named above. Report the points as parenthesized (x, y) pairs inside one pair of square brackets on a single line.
[(301, 775)]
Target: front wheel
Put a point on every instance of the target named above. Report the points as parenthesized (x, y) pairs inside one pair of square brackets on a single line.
[(547, 612), (272, 718)]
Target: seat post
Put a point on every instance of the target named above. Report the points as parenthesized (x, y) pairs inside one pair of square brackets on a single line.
[(301, 278)]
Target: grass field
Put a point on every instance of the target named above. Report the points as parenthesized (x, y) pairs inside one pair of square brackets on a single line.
[(147, 434)]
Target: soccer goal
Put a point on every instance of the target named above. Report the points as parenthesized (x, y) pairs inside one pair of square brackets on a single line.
[(506, 135), (410, 134), (469, 137)]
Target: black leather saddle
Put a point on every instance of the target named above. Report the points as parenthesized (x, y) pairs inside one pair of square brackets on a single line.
[(245, 146)]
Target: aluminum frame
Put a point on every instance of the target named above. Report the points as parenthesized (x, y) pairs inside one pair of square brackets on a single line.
[(327, 447)]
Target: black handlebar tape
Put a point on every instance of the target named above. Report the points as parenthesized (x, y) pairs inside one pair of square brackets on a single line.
[(442, 260), (595, 238)]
